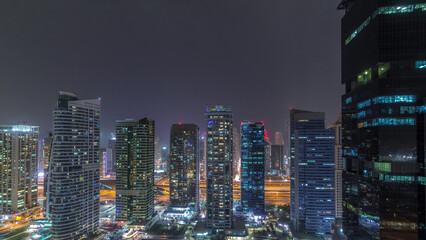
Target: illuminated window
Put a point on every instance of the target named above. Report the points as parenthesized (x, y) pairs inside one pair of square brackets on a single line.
[(385, 11), (364, 77), (383, 68), (389, 122), (364, 104), (395, 99), (359, 29), (421, 64)]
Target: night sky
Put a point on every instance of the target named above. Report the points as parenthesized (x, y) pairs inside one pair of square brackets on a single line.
[(169, 59)]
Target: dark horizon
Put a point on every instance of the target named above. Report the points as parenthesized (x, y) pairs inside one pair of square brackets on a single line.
[(168, 60)]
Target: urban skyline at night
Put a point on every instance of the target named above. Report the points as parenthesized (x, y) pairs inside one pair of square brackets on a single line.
[(213, 120)]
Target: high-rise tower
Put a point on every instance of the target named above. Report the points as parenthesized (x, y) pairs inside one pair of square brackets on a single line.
[(135, 149), (312, 173), (383, 118), (18, 168), (253, 167), (184, 165), (236, 151), (279, 138), (73, 176), (339, 166), (112, 158), (219, 167)]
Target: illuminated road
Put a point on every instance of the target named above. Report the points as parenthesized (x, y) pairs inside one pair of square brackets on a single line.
[(277, 192)]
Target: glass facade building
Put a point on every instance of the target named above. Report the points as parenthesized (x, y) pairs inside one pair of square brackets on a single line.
[(73, 177), (18, 168), (383, 47), (312, 207), (112, 158), (277, 158), (135, 147), (106, 161), (219, 168), (184, 165), (253, 167), (339, 166)]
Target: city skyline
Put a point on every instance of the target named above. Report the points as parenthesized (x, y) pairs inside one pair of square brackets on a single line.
[(100, 56), (213, 120)]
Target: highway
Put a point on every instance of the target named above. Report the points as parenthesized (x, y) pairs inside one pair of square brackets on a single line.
[(277, 192)]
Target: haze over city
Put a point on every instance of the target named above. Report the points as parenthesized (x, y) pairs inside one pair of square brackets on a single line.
[(168, 60), (213, 120)]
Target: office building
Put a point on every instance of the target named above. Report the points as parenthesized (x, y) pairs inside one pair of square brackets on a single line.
[(111, 161), (268, 155), (277, 158), (339, 166), (236, 157), (202, 153), (279, 138), (312, 173), (184, 167), (44, 159), (135, 171), (106, 157), (18, 168), (165, 157), (253, 167), (219, 168), (73, 177), (384, 70)]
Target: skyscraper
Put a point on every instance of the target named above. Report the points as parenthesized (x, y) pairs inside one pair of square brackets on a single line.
[(286, 148), (279, 138), (202, 153), (236, 153), (312, 173), (277, 158), (184, 167), (384, 70), (135, 170), (73, 176), (105, 161), (157, 156), (18, 168), (112, 161), (253, 167), (339, 166), (165, 157), (44, 158), (219, 168), (268, 152)]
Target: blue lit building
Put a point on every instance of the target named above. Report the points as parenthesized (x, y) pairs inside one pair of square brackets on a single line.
[(312, 173), (253, 167)]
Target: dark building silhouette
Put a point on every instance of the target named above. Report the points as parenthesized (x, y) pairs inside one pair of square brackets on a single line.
[(277, 157), (184, 165), (384, 72)]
